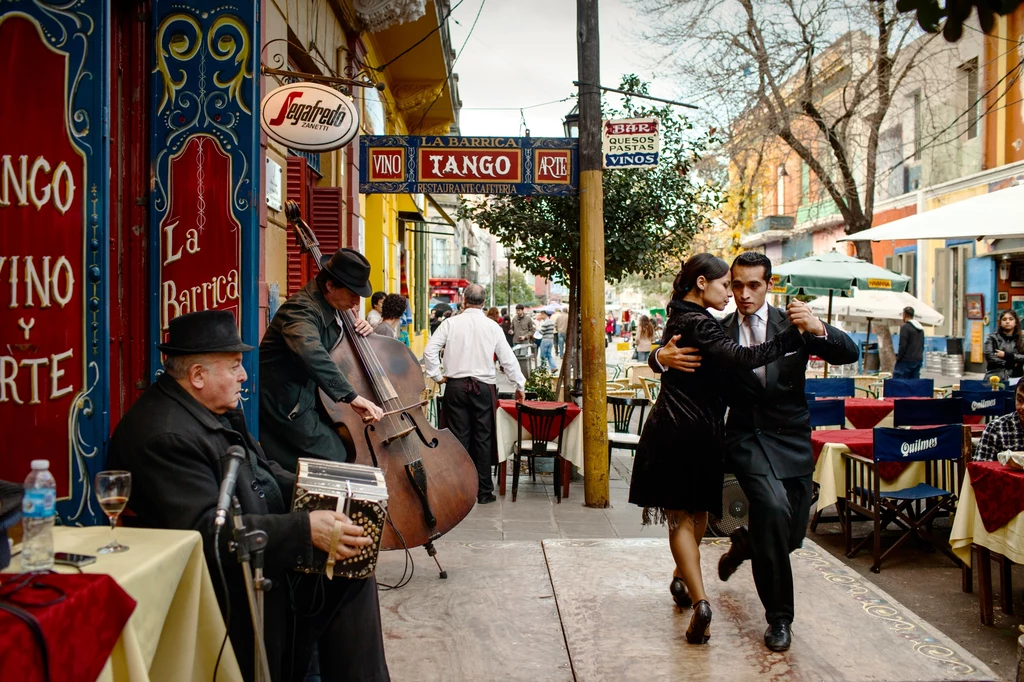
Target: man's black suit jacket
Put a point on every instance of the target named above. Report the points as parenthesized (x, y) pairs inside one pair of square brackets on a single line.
[(773, 419)]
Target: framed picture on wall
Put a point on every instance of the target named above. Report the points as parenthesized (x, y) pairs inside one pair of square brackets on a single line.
[(1004, 297), (975, 304)]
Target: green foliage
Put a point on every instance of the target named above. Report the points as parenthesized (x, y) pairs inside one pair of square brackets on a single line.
[(930, 14), (650, 215), (522, 292), (541, 382)]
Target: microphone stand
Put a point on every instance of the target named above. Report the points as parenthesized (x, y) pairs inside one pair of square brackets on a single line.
[(249, 547)]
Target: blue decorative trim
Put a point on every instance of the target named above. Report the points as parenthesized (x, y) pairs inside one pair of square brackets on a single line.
[(905, 249), (205, 82)]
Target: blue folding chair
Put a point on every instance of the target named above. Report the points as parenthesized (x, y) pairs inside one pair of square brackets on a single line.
[(830, 388), (987, 403), (944, 451), (927, 412), (827, 412), (908, 388), (975, 385)]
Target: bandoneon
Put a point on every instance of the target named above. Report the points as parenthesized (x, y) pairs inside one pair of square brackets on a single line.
[(355, 490)]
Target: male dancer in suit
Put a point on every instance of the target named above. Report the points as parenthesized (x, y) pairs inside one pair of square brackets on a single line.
[(768, 438)]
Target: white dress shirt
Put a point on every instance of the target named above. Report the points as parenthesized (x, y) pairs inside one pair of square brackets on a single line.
[(470, 342)]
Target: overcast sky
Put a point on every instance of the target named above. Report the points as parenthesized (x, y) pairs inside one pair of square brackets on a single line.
[(522, 53)]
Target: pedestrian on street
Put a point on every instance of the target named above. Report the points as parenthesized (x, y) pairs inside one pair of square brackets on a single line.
[(522, 326), (911, 353), (547, 339), (561, 321), (376, 301), (644, 339), (470, 341), (391, 312)]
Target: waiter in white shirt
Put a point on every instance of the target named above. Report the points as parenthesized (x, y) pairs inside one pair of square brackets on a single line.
[(470, 342)]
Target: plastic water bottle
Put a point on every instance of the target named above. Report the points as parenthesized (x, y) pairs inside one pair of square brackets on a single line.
[(38, 508)]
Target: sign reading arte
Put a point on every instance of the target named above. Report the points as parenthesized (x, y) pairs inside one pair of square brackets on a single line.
[(201, 241), (467, 165), (630, 143), (309, 117), (42, 256)]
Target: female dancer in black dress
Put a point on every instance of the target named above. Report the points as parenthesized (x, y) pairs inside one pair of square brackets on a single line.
[(678, 469)]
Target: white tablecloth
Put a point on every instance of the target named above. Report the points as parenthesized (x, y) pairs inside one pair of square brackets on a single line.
[(176, 629), (968, 527), (507, 429), (830, 475)]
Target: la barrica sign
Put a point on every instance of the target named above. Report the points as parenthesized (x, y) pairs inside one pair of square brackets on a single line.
[(309, 117)]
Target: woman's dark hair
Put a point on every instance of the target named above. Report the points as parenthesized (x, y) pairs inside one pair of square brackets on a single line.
[(703, 264), (377, 296), (1017, 336), (394, 307)]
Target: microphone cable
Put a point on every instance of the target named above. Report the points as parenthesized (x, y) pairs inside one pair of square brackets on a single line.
[(227, 598), (408, 570)]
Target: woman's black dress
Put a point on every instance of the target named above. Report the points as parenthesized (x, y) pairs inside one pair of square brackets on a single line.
[(679, 461)]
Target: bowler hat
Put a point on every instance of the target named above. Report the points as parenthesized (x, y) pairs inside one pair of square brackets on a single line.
[(207, 331), (351, 269)]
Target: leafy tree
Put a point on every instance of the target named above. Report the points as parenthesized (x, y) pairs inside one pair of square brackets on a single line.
[(522, 292), (650, 215)]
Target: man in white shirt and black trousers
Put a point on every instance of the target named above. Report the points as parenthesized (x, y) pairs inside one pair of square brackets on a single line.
[(470, 342)]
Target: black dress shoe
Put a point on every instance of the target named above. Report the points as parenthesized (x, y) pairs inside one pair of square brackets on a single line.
[(680, 593), (737, 554), (486, 499), (699, 631), (778, 636)]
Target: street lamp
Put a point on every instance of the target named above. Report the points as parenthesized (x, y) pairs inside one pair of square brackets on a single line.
[(571, 124)]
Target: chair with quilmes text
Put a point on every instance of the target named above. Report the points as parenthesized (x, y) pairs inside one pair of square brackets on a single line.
[(619, 433), (927, 411), (944, 451), (908, 388), (987, 403), (544, 439)]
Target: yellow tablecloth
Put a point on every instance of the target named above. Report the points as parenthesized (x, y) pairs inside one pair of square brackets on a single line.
[(968, 528), (830, 475), (507, 428), (176, 629)]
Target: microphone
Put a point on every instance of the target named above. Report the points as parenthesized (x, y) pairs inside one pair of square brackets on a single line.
[(235, 455)]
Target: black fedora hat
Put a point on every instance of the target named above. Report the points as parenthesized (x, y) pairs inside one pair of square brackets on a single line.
[(351, 269), (207, 331)]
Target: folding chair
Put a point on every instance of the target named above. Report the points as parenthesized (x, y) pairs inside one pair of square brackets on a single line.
[(543, 421), (619, 436), (831, 388), (825, 413), (975, 385), (908, 388), (987, 403), (944, 450), (927, 412)]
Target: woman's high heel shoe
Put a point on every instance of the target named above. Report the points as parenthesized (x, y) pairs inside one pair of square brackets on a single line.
[(680, 593), (699, 631)]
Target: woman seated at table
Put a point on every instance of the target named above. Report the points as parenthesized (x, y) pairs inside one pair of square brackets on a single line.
[(678, 470), (1004, 348)]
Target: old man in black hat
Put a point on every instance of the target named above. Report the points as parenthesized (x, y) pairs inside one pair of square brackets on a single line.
[(172, 440), (295, 361)]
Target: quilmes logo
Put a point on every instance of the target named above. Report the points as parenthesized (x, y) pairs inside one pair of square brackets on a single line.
[(309, 117), (919, 445), (982, 404)]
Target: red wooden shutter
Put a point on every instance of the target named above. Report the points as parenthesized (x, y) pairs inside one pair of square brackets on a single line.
[(298, 185), (328, 214)]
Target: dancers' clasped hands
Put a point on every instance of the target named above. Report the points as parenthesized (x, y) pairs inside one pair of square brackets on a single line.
[(801, 316)]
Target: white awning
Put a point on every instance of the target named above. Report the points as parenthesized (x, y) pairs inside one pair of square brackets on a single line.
[(997, 215)]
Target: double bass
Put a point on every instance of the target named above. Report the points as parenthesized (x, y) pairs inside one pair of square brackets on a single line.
[(431, 479)]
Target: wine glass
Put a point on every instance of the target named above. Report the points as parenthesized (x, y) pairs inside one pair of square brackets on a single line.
[(112, 490)]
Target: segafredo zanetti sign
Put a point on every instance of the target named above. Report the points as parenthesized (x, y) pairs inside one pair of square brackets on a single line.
[(309, 117)]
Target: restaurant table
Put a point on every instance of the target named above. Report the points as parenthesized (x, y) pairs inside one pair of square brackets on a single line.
[(507, 430), (175, 631), (867, 413), (829, 446), (989, 517)]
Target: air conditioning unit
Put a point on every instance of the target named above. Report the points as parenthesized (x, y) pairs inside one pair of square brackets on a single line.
[(912, 176)]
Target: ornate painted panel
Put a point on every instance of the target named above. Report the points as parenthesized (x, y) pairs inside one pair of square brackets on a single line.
[(204, 216), (54, 341)]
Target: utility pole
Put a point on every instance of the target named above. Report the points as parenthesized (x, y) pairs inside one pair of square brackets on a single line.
[(595, 426)]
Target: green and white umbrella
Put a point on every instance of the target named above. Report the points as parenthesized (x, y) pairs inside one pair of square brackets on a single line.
[(832, 273)]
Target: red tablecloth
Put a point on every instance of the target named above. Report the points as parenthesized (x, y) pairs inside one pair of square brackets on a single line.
[(998, 491), (80, 630), (861, 442), (866, 413), (511, 407)]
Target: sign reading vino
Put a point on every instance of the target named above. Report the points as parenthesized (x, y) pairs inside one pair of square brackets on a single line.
[(394, 164), (200, 239), (43, 208)]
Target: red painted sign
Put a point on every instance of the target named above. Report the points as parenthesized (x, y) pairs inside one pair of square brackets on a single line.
[(553, 165), (43, 207), (387, 164), (633, 127), (444, 164), (200, 240)]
